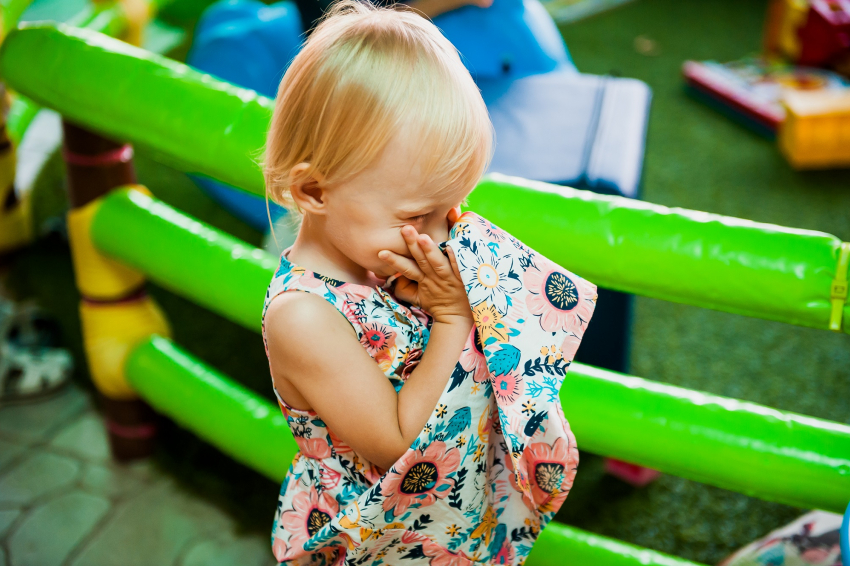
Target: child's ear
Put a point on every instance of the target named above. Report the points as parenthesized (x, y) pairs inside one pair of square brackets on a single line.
[(306, 188)]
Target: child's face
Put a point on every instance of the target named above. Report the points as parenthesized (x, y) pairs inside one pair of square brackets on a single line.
[(365, 214)]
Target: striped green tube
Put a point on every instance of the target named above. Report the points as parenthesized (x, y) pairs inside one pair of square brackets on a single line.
[(185, 118), (253, 431), (732, 444), (212, 268), (222, 412)]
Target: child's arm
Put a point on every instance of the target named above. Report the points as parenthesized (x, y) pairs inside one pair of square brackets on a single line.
[(315, 351)]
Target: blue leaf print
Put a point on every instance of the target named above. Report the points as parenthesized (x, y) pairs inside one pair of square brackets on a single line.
[(458, 423), (505, 360), (499, 535)]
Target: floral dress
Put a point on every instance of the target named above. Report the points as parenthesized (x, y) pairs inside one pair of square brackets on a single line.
[(496, 458)]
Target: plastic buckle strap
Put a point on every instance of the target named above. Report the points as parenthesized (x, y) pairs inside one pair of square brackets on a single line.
[(838, 291)]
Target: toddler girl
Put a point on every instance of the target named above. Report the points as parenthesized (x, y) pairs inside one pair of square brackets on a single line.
[(378, 135)]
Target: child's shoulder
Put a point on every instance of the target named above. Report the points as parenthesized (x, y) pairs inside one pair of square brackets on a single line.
[(303, 319)]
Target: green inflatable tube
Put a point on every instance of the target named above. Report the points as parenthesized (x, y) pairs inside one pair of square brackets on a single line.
[(731, 444), (109, 20), (561, 545), (218, 130), (207, 126), (737, 445), (212, 268), (228, 416), (253, 431), (702, 259)]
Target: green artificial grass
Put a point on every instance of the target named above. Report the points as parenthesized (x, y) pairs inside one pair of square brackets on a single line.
[(695, 158)]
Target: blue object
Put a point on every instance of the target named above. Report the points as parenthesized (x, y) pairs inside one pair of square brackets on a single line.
[(845, 538), (249, 44), (511, 38)]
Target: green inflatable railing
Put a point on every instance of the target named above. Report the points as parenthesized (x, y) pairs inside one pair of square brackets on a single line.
[(108, 19), (187, 119), (213, 128), (668, 428)]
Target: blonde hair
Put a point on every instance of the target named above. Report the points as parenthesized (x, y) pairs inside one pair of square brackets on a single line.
[(363, 75)]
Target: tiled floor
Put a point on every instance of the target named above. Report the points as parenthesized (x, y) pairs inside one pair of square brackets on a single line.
[(63, 501)]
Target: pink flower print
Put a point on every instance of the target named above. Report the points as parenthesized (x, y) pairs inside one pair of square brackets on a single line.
[(311, 280), (420, 477), (329, 477), (552, 472), (377, 338), (439, 556), (310, 512), (340, 447), (555, 298), (507, 388), (316, 448), (279, 549), (409, 537), (493, 232), (356, 293), (472, 358)]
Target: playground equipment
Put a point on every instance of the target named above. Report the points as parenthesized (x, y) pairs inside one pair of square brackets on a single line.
[(204, 126)]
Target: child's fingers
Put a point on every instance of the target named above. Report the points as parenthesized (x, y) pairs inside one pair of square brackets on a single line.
[(437, 261), (411, 238), (403, 265)]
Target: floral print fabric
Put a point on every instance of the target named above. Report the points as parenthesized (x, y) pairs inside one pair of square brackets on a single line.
[(495, 460)]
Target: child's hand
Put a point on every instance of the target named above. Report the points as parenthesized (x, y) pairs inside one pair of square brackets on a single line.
[(432, 281)]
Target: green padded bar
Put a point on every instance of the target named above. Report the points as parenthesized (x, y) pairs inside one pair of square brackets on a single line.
[(253, 431), (685, 256), (561, 545), (723, 442), (107, 19), (212, 268), (222, 412), (185, 118), (737, 445)]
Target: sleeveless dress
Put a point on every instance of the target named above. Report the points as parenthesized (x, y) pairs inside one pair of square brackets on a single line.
[(496, 458)]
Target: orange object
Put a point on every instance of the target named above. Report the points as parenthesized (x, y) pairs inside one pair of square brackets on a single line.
[(816, 131)]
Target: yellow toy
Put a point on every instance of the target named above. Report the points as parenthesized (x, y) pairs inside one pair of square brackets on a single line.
[(816, 130)]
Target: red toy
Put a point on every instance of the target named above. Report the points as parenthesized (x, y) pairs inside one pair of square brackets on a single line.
[(825, 37)]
